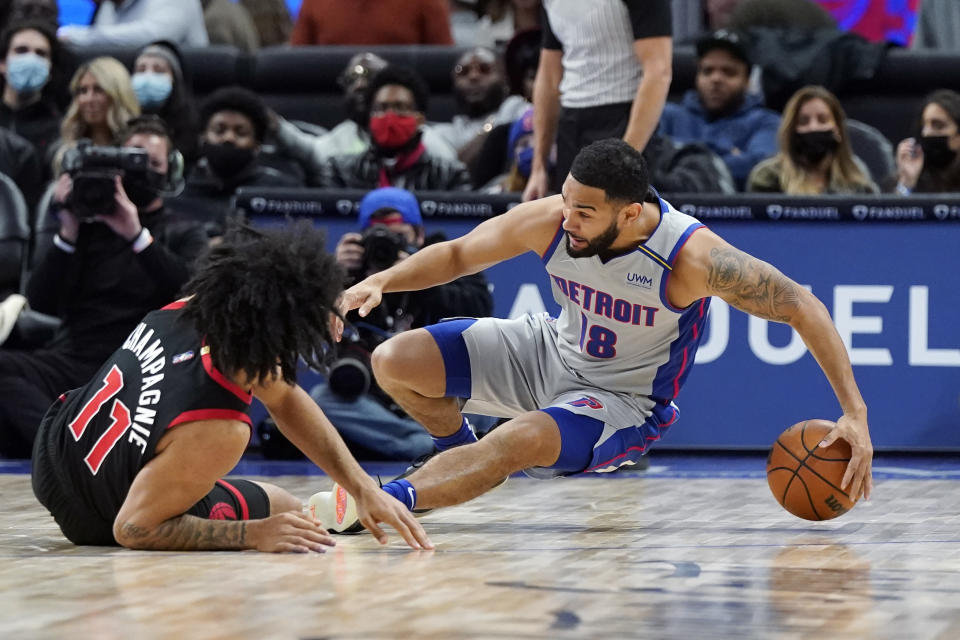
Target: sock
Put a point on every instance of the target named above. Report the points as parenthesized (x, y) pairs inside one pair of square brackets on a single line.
[(464, 435), (403, 491)]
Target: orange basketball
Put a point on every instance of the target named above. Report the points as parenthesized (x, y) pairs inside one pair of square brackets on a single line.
[(804, 478)]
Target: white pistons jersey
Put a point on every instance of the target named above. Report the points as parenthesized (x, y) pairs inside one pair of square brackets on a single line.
[(616, 329)]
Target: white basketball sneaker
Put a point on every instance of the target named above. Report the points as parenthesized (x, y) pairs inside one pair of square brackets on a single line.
[(336, 510)]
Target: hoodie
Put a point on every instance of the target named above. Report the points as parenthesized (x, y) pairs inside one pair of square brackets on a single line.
[(751, 130)]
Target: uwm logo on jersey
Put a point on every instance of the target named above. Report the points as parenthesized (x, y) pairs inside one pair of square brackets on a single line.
[(640, 280), (151, 361)]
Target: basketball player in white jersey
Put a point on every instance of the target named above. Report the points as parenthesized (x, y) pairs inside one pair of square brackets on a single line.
[(591, 390)]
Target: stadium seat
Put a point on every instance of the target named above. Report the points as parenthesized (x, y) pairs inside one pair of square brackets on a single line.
[(14, 236), (300, 83), (873, 148)]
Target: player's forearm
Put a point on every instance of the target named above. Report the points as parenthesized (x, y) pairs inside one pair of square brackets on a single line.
[(304, 424), (546, 111), (187, 533), (813, 323), (431, 266), (647, 106)]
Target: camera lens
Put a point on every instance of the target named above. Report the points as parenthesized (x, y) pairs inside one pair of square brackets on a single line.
[(349, 378)]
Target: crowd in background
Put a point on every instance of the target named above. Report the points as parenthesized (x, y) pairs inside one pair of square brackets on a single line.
[(532, 84)]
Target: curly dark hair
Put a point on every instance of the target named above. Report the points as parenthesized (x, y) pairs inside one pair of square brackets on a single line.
[(263, 299), (241, 100), (614, 166), (405, 77)]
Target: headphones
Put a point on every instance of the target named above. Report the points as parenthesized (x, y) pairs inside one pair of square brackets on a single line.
[(173, 184)]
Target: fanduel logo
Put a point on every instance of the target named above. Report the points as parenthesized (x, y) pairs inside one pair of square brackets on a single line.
[(639, 280)]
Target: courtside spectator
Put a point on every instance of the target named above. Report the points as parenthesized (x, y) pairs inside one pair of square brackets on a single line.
[(397, 101), (31, 59), (720, 111), (814, 154)]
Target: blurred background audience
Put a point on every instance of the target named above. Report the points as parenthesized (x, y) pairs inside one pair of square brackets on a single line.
[(929, 162), (814, 154), (103, 101), (395, 97)]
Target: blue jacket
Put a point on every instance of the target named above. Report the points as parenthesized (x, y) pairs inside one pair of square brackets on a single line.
[(752, 129)]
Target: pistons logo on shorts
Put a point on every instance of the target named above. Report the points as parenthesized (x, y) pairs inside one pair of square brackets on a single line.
[(587, 401)]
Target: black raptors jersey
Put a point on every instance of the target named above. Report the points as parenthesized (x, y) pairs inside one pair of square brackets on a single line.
[(108, 430)]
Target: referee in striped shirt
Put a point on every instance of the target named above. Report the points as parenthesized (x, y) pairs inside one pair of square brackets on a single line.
[(604, 72)]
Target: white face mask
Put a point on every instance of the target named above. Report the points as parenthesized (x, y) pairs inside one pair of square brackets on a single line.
[(27, 72), (152, 89)]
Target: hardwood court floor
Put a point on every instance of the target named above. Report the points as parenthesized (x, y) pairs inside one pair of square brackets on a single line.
[(657, 555)]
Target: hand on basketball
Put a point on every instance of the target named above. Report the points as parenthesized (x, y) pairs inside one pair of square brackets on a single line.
[(363, 296), (290, 531), (377, 506), (858, 479)]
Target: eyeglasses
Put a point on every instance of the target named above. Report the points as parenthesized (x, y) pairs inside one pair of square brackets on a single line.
[(481, 67)]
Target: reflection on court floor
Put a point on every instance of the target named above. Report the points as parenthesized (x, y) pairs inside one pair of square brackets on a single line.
[(694, 548)]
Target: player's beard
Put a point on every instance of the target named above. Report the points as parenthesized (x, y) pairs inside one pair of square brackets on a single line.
[(597, 245)]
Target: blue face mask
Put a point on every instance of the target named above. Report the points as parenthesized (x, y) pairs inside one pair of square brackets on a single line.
[(152, 89), (27, 72), (524, 159)]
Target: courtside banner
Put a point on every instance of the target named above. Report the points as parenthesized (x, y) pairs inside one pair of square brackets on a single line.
[(886, 273)]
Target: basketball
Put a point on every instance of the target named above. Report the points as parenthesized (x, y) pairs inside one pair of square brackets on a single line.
[(804, 478)]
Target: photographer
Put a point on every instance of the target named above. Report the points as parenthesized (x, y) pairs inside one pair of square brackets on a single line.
[(391, 229), (117, 255)]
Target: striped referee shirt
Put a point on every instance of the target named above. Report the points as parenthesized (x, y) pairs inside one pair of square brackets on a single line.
[(596, 37)]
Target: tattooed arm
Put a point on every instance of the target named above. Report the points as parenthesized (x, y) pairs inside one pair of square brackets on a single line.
[(708, 266), (190, 459)]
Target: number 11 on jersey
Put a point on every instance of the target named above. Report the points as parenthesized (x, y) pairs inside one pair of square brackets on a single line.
[(119, 415)]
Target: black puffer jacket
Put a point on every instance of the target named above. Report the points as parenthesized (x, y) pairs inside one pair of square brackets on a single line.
[(686, 168), (18, 160)]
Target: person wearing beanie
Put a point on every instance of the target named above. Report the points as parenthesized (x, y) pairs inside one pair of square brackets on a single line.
[(161, 89)]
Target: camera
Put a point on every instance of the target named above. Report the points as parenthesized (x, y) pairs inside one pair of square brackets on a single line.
[(350, 375), (381, 248), (93, 170)]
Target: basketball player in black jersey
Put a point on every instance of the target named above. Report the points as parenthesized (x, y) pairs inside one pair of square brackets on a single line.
[(136, 456)]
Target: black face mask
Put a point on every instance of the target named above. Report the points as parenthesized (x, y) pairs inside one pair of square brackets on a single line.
[(936, 151), (226, 160), (813, 146), (142, 193)]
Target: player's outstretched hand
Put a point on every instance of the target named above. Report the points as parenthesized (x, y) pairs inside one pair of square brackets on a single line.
[(376, 506), (858, 479), (363, 296), (289, 531)]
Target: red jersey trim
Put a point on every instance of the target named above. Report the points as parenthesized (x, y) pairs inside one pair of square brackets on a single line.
[(179, 304), (221, 379), (210, 414), (244, 509)]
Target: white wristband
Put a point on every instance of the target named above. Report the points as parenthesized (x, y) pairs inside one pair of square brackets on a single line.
[(142, 241), (63, 245)]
